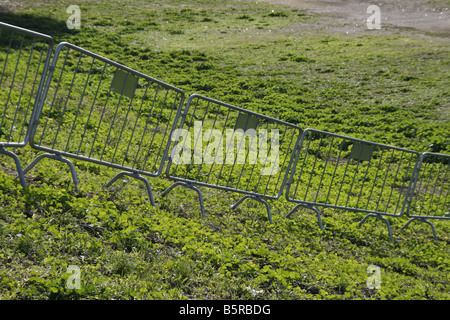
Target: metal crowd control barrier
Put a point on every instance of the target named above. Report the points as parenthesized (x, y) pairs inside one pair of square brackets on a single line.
[(340, 172), (100, 111), (222, 146), (24, 59), (93, 109), (429, 197)]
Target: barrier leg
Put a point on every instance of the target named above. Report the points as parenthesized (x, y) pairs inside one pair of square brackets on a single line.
[(20, 173), (189, 186), (422, 220), (56, 157), (379, 217), (135, 176), (234, 206), (319, 218)]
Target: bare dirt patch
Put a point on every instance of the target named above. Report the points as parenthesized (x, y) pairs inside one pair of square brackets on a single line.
[(350, 16), (8, 6)]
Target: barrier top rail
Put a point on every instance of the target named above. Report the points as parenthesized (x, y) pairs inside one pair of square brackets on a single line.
[(27, 31), (227, 147), (101, 111)]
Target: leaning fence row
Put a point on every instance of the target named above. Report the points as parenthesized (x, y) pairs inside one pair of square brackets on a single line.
[(79, 105)]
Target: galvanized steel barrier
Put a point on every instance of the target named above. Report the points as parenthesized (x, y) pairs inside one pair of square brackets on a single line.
[(100, 111), (222, 146), (341, 172), (429, 196), (93, 109), (24, 59)]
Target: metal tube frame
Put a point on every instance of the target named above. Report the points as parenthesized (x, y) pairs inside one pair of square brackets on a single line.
[(416, 189), (260, 197), (62, 155), (286, 179), (45, 56), (370, 213)]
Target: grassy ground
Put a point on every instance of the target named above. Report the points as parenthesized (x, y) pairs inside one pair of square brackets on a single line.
[(389, 87)]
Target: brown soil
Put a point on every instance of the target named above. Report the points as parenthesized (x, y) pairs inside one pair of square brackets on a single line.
[(350, 16)]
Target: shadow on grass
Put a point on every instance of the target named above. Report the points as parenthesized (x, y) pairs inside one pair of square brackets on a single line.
[(58, 30), (47, 25)]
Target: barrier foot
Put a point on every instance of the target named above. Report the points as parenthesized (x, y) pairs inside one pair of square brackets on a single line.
[(134, 175), (234, 206), (319, 219), (379, 217), (56, 157), (189, 186), (20, 173), (422, 220)]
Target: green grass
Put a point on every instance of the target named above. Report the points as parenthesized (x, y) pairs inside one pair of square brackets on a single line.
[(390, 88)]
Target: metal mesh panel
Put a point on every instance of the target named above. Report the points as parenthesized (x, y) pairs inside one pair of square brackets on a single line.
[(336, 171), (431, 191), (223, 146), (100, 111), (24, 57)]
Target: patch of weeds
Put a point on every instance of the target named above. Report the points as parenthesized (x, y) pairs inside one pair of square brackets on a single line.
[(122, 263), (277, 13), (175, 31), (295, 58), (245, 17)]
